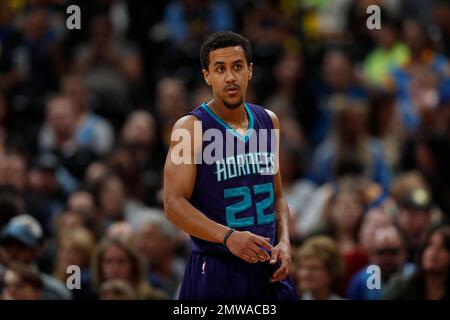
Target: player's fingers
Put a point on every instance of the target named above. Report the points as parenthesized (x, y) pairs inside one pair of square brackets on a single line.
[(252, 251), (282, 269), (250, 258), (280, 273), (251, 255), (263, 243), (274, 255), (279, 277), (261, 254)]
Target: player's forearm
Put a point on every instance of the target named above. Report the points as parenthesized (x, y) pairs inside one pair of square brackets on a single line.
[(282, 219), (186, 217)]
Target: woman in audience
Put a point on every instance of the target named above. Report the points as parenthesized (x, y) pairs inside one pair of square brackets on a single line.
[(432, 279), (319, 269), (75, 249), (116, 259)]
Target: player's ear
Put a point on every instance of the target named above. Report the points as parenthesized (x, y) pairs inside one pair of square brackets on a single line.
[(250, 68), (206, 77)]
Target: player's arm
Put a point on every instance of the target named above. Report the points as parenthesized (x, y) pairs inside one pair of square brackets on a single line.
[(281, 251), (179, 181)]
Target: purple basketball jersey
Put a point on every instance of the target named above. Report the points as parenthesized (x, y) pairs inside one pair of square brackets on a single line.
[(236, 188)]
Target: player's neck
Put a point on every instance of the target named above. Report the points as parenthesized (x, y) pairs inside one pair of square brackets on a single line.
[(236, 116)]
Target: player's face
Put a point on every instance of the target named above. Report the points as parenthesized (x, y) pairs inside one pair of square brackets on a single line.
[(228, 74)]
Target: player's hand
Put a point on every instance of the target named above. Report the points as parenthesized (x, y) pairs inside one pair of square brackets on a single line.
[(282, 253), (249, 246)]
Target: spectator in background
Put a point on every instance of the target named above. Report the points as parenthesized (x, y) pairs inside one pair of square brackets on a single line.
[(62, 223), (10, 204), (117, 290), (124, 162), (111, 67), (139, 132), (75, 248), (423, 59), (110, 197), (384, 125), (21, 239), (115, 259), (344, 214), (114, 205), (351, 137), (67, 221), (441, 15), (83, 203), (297, 189), (13, 171), (406, 182), (190, 21), (61, 121), (432, 279), (9, 74), (95, 171), (122, 230), (389, 53), (39, 61), (137, 159), (45, 198), (155, 239), (349, 171), (170, 104), (414, 219), (319, 269), (287, 73), (375, 219), (337, 82), (92, 131), (265, 26), (21, 282), (388, 252), (429, 154), (74, 158)]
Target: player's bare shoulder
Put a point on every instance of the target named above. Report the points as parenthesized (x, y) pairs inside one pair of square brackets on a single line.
[(186, 122), (186, 138), (273, 116)]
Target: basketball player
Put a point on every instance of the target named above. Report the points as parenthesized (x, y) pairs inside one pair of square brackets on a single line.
[(233, 207)]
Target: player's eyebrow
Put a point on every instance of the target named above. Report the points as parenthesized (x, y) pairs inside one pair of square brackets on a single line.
[(234, 62)]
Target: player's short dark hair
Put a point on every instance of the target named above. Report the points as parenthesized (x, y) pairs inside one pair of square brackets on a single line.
[(224, 39)]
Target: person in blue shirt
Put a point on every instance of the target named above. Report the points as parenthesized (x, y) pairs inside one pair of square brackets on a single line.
[(387, 257)]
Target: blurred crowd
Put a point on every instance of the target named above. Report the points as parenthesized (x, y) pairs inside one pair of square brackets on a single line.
[(85, 121)]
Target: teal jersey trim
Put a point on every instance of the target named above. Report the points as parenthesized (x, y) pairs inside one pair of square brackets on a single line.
[(227, 126)]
